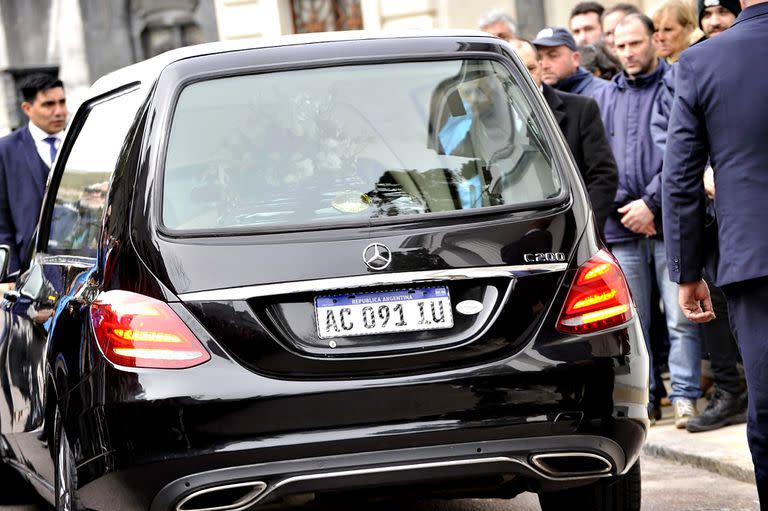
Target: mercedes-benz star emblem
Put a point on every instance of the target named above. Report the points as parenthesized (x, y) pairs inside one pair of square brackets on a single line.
[(377, 256)]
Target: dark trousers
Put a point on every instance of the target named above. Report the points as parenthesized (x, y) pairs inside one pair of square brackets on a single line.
[(659, 343), (721, 345), (748, 306)]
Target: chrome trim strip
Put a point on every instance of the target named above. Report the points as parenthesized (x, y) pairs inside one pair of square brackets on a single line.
[(242, 503), (395, 468), (26, 472), (536, 460), (423, 466), (381, 470), (383, 279)]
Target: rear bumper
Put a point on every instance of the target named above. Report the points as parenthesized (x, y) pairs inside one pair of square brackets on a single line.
[(167, 435), (470, 460), (498, 461), (482, 468)]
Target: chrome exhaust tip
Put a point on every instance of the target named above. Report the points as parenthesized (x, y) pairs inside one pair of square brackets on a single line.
[(229, 497), (563, 465)]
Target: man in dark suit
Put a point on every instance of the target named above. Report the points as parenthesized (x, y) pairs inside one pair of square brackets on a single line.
[(720, 112), (26, 156), (579, 120)]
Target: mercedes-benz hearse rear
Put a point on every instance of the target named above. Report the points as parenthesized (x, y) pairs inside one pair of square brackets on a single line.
[(384, 258)]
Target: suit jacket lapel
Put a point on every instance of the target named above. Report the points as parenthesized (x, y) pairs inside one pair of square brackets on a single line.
[(38, 167)]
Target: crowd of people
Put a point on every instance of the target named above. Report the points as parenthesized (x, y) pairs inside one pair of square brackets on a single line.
[(617, 82), (613, 107)]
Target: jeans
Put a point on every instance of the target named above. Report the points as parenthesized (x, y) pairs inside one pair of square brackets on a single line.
[(638, 258)]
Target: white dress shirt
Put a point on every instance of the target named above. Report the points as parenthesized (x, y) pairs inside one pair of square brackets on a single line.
[(43, 147)]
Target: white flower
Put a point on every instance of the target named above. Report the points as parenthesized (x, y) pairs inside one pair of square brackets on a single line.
[(329, 160), (305, 167)]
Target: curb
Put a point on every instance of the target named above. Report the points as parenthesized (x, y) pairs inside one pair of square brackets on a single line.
[(732, 471), (723, 452)]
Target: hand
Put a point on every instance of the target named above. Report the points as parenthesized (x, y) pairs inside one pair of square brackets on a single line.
[(696, 302), (638, 218), (709, 183)]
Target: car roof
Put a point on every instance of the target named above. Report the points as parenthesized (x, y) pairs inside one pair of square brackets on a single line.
[(146, 72)]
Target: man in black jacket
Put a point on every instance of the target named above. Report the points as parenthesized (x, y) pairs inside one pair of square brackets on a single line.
[(579, 120)]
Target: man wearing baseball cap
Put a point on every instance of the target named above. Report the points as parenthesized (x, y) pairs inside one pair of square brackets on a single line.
[(560, 67)]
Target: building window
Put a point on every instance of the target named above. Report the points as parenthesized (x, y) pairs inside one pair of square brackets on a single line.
[(161, 38), (162, 25), (326, 15)]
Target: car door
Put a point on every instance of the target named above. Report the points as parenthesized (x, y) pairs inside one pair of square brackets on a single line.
[(43, 316)]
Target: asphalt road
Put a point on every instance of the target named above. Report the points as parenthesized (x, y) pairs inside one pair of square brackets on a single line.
[(667, 486)]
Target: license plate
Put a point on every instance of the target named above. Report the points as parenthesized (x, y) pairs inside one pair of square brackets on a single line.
[(387, 312)]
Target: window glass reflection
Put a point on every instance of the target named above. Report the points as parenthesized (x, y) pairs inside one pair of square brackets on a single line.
[(352, 143)]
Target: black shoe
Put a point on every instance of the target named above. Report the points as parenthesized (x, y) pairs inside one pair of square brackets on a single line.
[(654, 412), (723, 410), (743, 398)]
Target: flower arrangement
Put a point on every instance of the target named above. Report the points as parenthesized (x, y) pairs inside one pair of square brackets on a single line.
[(277, 146), (304, 141)]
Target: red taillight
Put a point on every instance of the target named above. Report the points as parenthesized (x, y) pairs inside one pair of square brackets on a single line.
[(598, 298), (138, 331)]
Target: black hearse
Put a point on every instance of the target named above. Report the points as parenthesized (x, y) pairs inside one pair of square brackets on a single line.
[(320, 265)]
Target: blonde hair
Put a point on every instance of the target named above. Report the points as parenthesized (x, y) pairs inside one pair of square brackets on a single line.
[(684, 13)]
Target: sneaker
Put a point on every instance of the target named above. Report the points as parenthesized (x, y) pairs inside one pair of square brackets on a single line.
[(723, 410), (684, 410)]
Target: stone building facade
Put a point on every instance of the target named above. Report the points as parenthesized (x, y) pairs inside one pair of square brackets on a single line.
[(257, 18), (81, 40)]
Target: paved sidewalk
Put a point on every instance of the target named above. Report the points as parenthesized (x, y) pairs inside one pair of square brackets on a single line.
[(723, 451)]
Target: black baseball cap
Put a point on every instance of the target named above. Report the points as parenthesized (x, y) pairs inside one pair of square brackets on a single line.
[(555, 36)]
